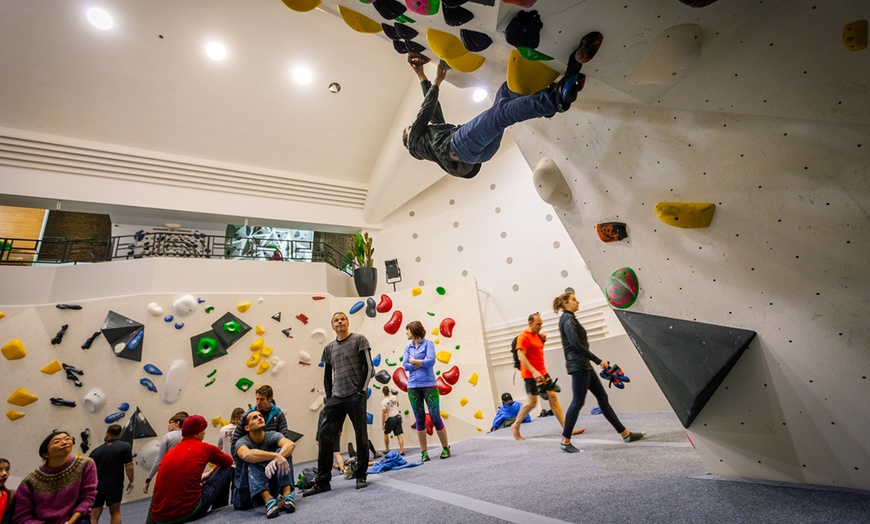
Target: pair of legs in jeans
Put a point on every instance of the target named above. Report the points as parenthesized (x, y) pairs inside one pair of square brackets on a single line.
[(252, 481), (478, 140), (336, 409)]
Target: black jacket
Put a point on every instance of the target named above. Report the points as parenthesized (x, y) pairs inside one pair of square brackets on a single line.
[(575, 343)]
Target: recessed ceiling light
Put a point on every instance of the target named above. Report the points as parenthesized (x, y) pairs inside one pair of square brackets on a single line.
[(303, 75), (216, 51), (479, 95), (100, 19)]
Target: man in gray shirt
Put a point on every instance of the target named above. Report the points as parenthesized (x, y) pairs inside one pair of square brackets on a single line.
[(347, 370), (265, 473)]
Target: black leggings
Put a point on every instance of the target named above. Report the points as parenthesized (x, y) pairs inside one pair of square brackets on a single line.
[(581, 382)]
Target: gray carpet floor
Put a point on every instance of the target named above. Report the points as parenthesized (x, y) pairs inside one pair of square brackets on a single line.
[(494, 478)]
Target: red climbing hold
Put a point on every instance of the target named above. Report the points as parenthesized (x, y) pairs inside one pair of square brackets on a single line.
[(446, 327), (451, 376), (385, 304), (302, 318), (400, 379), (443, 387), (392, 326)]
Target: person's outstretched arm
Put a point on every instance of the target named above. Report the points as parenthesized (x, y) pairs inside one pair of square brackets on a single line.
[(438, 116)]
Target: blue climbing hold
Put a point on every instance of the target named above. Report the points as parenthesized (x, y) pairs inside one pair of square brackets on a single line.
[(200, 300), (179, 325), (134, 343), (368, 393), (124, 406), (320, 364), (114, 417), (356, 307), (148, 384), (168, 318), (151, 369), (377, 360)]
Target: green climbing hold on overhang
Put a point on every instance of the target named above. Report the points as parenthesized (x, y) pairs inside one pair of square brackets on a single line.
[(232, 326), (206, 347), (244, 384)]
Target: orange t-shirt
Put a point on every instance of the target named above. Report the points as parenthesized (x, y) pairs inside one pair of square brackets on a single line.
[(532, 344)]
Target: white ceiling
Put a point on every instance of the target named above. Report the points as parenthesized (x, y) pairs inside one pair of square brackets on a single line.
[(148, 84)]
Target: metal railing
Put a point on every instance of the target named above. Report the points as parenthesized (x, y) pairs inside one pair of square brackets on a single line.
[(20, 251)]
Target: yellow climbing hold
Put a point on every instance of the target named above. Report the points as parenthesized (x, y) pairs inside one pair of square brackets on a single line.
[(219, 421), (2, 314), (22, 397), (302, 5), (445, 45), (443, 356), (264, 367), (466, 63), (359, 22), (444, 414), (437, 341), (51, 368), (478, 414), (527, 77), (258, 344), (13, 350), (435, 331), (260, 331), (244, 306), (253, 360), (686, 214), (473, 379), (463, 401), (416, 291), (266, 351), (479, 429), (14, 414)]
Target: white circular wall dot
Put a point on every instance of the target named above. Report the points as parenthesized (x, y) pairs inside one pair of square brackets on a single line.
[(456, 224), (504, 234), (515, 287), (459, 248), (421, 283), (549, 218), (465, 272), (564, 273), (509, 260), (411, 214), (556, 244), (418, 259), (497, 210), (414, 236)]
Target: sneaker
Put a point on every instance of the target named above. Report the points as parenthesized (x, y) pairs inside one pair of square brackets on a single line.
[(402, 454), (424, 457), (445, 452), (317, 488), (361, 483), (289, 503), (272, 509), (633, 437), (568, 448), (589, 45)]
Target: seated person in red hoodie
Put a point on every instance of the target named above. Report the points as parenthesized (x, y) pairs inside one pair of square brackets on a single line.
[(180, 494)]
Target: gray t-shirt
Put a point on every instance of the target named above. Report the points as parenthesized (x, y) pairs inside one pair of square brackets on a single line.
[(270, 442), (350, 363)]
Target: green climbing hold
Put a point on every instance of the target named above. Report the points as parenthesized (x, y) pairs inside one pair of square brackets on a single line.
[(406, 412), (376, 386), (389, 362), (210, 382), (457, 346), (531, 54), (206, 347), (430, 313), (233, 326), (211, 374), (244, 384), (440, 290), (438, 372), (404, 19), (209, 309)]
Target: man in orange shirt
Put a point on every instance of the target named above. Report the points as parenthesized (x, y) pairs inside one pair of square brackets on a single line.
[(530, 352)]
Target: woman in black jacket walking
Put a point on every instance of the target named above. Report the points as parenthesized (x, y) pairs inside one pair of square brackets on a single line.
[(577, 358)]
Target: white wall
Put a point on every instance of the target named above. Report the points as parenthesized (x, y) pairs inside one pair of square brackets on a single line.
[(785, 256), (297, 386)]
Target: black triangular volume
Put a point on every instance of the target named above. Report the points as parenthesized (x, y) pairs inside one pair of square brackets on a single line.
[(474, 41), (400, 46), (137, 427), (406, 32), (414, 47), (688, 360), (456, 16), (277, 317), (390, 31), (389, 9)]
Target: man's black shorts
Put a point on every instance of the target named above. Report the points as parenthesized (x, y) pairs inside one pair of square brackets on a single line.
[(531, 386), (393, 425), (107, 499)]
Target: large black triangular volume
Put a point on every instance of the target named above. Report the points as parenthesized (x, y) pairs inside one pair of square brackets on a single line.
[(687, 359), (137, 427)]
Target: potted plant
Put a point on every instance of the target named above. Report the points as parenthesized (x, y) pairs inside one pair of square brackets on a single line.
[(365, 275)]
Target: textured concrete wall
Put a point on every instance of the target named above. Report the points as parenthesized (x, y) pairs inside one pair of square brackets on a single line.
[(785, 256)]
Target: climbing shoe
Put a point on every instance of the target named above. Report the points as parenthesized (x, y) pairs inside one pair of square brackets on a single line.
[(445, 452)]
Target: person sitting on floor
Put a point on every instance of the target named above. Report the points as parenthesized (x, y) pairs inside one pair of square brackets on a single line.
[(265, 473)]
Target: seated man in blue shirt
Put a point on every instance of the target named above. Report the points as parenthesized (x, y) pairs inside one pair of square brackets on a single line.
[(266, 468), (507, 412)]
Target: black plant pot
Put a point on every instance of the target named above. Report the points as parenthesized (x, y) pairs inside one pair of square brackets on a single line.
[(366, 281)]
